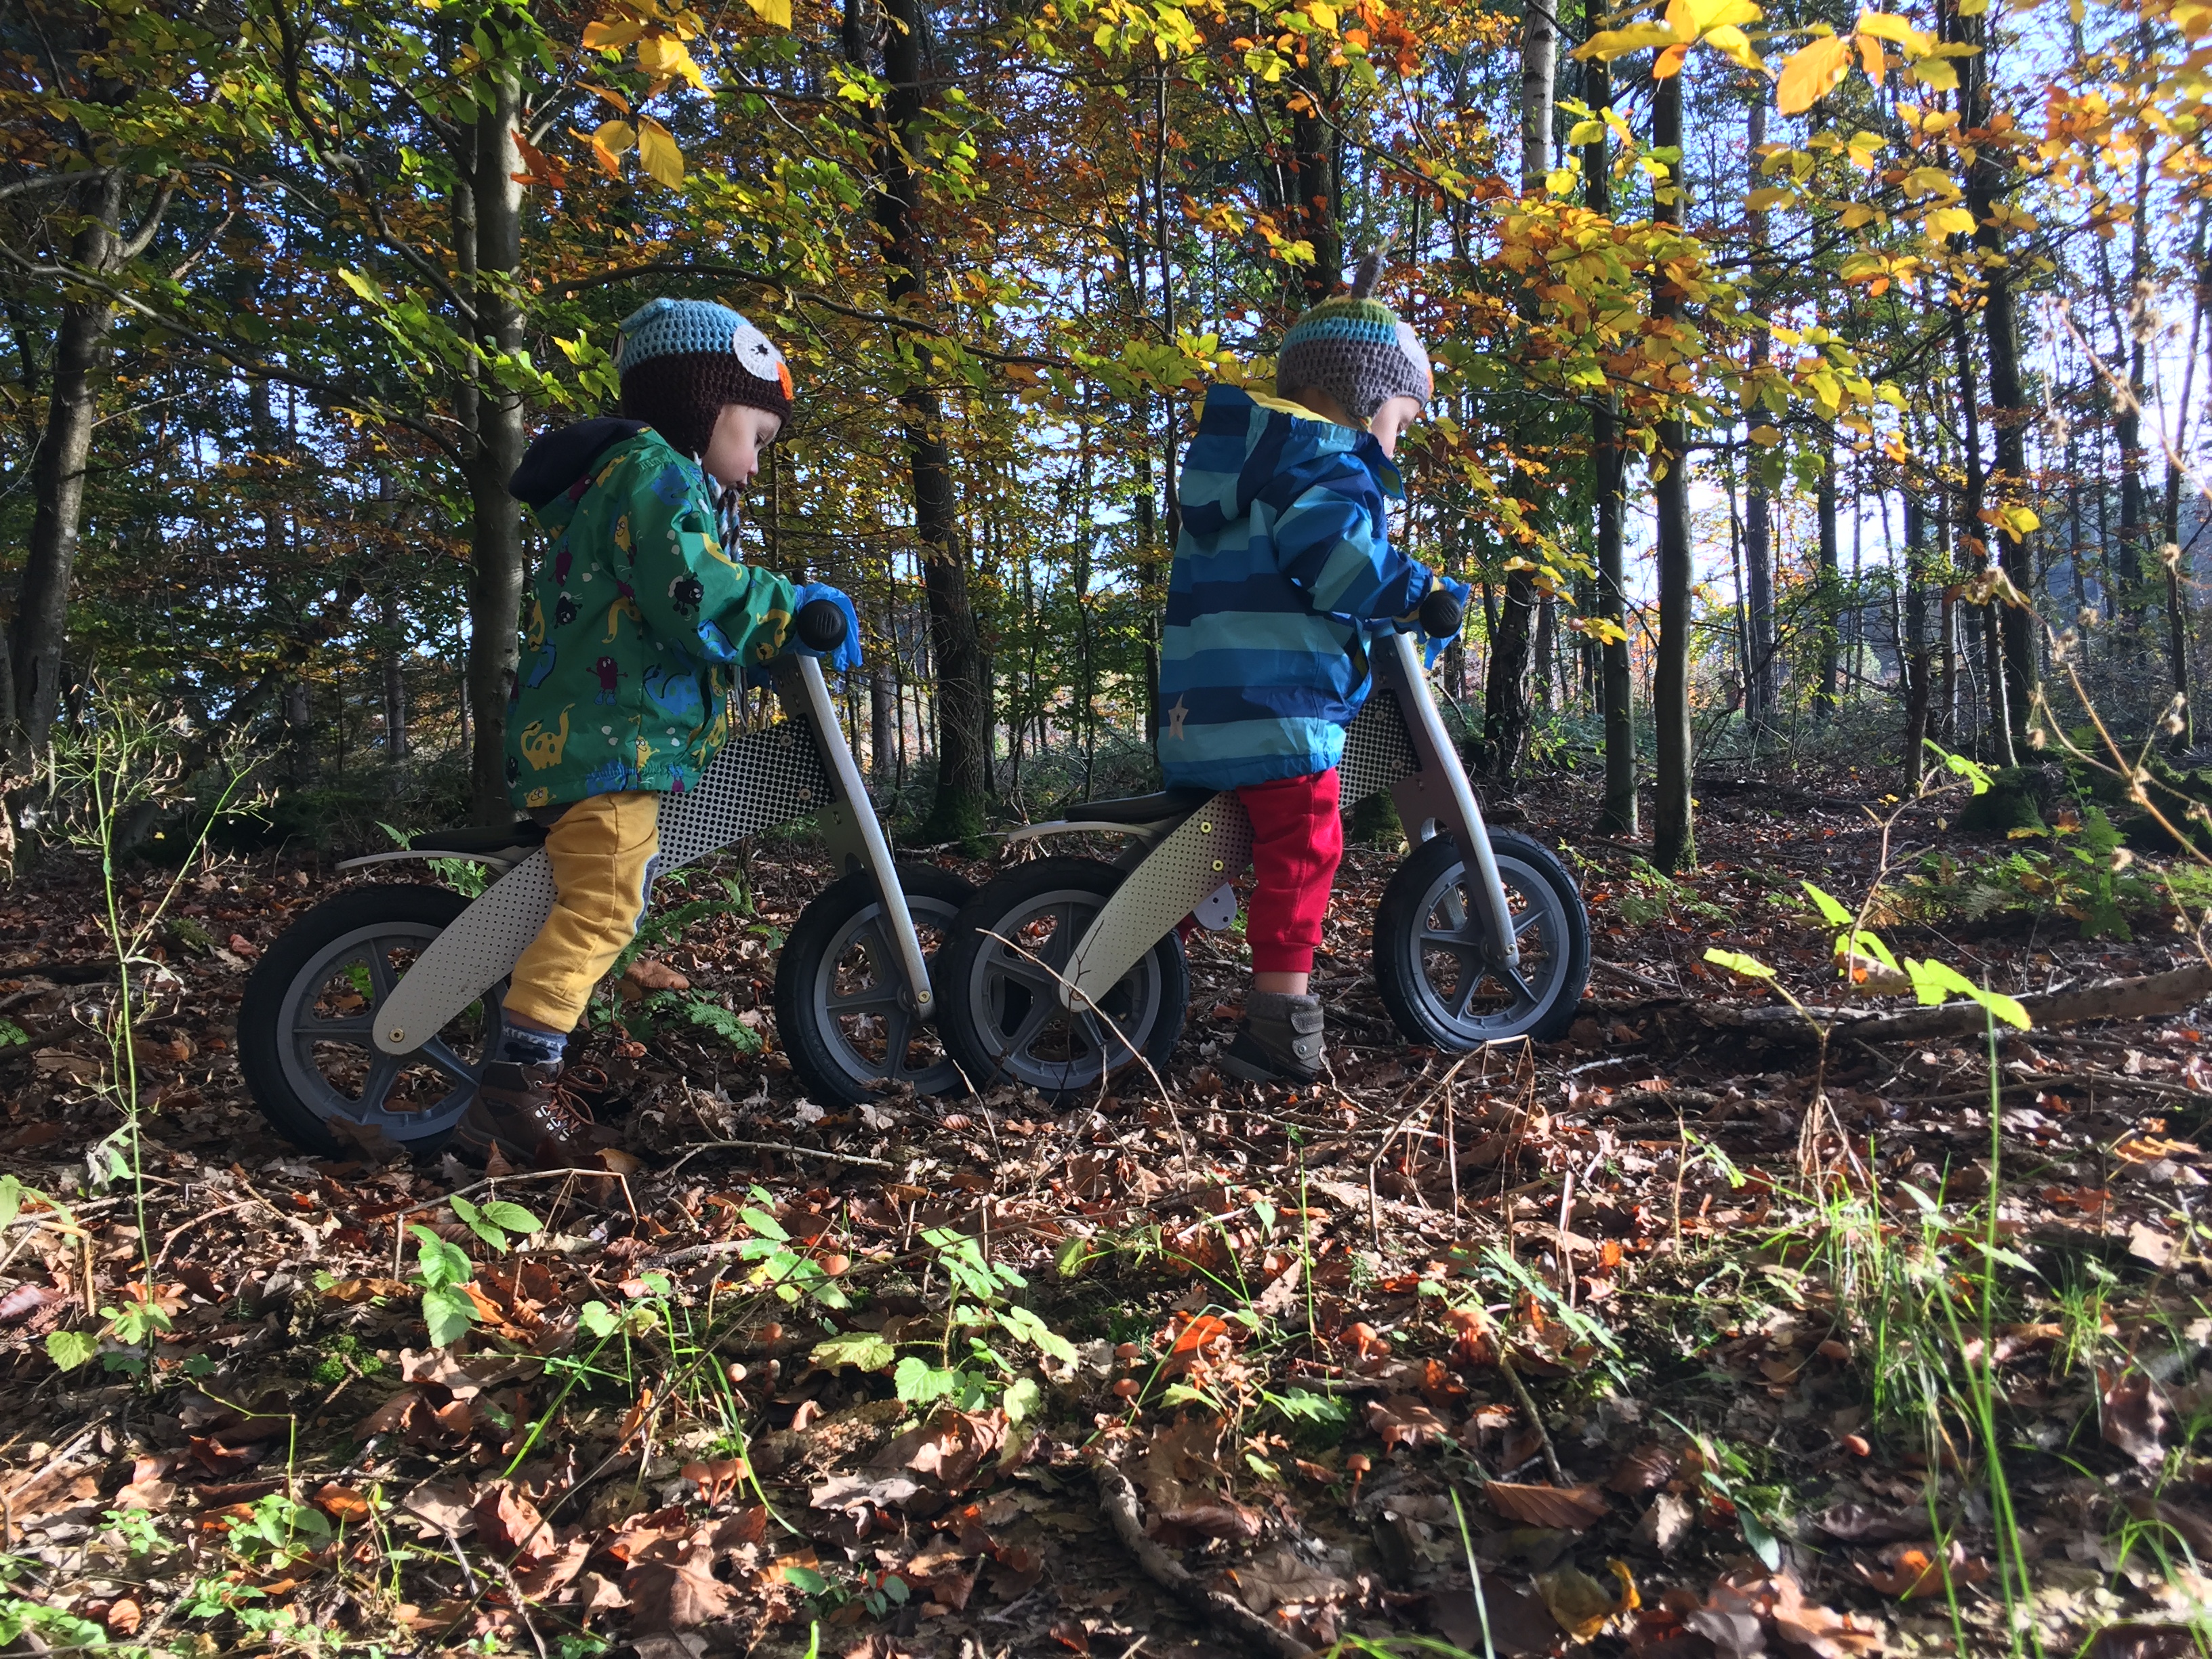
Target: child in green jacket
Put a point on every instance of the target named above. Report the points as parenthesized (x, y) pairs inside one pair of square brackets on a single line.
[(637, 626)]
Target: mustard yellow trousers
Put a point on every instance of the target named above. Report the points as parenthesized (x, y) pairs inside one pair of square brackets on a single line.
[(602, 850)]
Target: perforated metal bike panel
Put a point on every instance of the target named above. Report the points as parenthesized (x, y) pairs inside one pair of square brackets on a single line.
[(760, 780), (1376, 751), (1211, 846)]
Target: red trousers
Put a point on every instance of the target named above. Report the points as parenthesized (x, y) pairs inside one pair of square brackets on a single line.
[(1298, 840)]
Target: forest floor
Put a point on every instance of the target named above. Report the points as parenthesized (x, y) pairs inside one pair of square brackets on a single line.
[(1671, 1338)]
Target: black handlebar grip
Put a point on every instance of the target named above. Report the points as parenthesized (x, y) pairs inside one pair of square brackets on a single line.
[(820, 625), (1440, 615)]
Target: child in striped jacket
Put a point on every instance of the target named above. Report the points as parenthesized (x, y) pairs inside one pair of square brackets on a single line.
[(1283, 569)]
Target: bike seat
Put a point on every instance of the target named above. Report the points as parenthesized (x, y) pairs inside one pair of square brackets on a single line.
[(1141, 808), (523, 832)]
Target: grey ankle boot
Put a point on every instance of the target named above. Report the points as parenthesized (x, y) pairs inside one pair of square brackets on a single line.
[(1277, 1040)]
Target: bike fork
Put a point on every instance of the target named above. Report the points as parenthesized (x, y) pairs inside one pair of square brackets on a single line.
[(849, 824), (1440, 791)]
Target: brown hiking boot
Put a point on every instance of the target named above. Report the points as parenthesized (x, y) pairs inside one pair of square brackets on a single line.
[(1277, 1040), (537, 1120)]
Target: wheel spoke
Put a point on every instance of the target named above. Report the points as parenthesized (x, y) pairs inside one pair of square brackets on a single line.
[(1468, 985), (379, 970), (447, 1062), (881, 996), (1528, 919), (1454, 942), (383, 1072), (359, 1033), (1040, 1014), (897, 1029), (1520, 986)]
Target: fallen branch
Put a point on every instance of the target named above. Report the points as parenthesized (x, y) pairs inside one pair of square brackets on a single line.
[(1118, 1499), (2148, 997)]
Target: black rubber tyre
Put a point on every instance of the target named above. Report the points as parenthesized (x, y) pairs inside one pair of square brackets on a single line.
[(304, 1026), (840, 1013), (1432, 956), (1001, 1014)]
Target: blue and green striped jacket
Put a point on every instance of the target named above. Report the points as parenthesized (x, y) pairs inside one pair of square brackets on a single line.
[(1283, 569)]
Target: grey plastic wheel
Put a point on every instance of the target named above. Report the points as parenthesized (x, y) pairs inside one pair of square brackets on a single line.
[(999, 980), (840, 1009), (1433, 961), (305, 1024)]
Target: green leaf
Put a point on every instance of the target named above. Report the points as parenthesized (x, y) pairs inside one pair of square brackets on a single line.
[(865, 1350), (438, 1263), (1022, 1400), (449, 1314), (1030, 1328), (70, 1349), (1736, 963), (917, 1383), (476, 1221), (513, 1217), (1933, 983), (809, 1581), (1764, 1544), (11, 1199), (764, 1225), (1831, 911), (599, 1319), (1266, 1212)]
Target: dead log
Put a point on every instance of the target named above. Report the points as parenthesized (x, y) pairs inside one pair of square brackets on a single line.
[(2150, 996)]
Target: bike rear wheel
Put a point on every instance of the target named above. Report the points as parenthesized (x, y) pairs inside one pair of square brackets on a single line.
[(306, 1024), (841, 1011)]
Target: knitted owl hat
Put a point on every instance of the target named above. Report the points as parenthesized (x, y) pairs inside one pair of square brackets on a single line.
[(1354, 348), (680, 361)]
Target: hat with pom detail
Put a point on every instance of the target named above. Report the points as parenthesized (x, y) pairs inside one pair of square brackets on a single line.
[(682, 361), (1355, 349)]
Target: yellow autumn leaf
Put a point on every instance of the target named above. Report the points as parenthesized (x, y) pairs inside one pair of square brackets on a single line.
[(1857, 213), (1610, 44), (1323, 13), (1935, 73), (1728, 38), (1950, 222), (613, 138), (617, 33), (1884, 26), (666, 58), (1811, 73), (657, 150), (1771, 196), (776, 13), (1870, 58), (1766, 436)]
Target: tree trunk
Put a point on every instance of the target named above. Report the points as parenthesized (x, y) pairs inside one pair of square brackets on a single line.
[(1970, 403), (1987, 183), (1314, 183), (1828, 588), (1762, 685), (496, 443), (1539, 58), (2177, 597), (1616, 683), (39, 633), (963, 698), (1919, 667), (395, 681), (1674, 845)]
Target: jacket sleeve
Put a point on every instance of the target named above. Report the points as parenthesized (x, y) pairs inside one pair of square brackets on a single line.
[(688, 589), (1339, 556)]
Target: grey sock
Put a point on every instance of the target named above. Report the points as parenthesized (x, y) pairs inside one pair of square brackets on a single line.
[(522, 1046)]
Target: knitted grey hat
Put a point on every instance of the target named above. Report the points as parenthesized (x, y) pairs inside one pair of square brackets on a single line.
[(1355, 349)]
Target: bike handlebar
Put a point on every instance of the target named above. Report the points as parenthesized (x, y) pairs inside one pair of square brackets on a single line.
[(1440, 615), (819, 625)]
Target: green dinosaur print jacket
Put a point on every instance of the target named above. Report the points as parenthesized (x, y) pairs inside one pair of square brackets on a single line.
[(637, 624)]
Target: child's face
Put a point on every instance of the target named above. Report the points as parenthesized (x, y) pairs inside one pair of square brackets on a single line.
[(1391, 420), (741, 432)]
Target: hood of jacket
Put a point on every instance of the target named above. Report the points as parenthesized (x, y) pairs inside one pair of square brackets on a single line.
[(557, 459), (1281, 460)]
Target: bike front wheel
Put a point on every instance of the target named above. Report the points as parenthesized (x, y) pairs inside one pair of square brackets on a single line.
[(1436, 969), (999, 979), (841, 1009), (306, 1026)]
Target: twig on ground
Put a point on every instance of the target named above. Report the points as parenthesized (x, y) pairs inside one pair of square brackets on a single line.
[(1535, 1418), (1118, 1499), (778, 1146)]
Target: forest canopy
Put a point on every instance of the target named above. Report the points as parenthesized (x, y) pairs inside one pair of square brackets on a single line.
[(1799, 368)]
